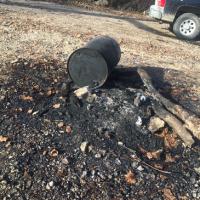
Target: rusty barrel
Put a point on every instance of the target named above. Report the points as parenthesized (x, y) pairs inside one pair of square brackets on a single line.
[(92, 64)]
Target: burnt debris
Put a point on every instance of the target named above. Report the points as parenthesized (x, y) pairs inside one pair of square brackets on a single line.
[(59, 146)]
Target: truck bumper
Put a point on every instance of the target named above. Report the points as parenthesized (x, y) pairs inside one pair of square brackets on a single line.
[(156, 12)]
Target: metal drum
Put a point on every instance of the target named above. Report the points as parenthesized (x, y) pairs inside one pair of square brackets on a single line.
[(92, 64)]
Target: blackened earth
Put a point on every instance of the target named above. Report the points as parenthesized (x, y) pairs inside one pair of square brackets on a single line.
[(29, 169)]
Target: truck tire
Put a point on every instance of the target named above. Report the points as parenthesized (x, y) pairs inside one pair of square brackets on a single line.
[(187, 26)]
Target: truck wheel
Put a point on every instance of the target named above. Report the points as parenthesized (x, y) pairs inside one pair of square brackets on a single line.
[(187, 26)]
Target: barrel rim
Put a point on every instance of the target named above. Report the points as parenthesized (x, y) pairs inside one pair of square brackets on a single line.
[(92, 50)]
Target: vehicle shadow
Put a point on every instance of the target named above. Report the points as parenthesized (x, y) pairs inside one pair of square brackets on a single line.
[(140, 25)]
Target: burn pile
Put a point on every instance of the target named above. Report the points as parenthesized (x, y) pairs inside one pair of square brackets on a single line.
[(106, 144)]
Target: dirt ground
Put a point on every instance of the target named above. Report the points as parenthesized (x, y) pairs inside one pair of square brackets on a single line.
[(56, 146), (56, 31)]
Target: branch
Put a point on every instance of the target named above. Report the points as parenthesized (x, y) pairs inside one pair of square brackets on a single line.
[(176, 116)]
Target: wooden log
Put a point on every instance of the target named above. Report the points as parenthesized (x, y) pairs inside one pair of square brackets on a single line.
[(173, 122), (191, 121)]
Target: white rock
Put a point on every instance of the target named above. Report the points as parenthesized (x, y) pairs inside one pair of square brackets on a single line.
[(84, 146), (117, 161), (91, 98), (81, 92), (49, 185), (102, 3), (134, 165), (109, 101), (65, 161), (194, 194), (120, 143), (98, 155), (197, 170), (139, 121), (84, 174), (140, 168), (155, 124)]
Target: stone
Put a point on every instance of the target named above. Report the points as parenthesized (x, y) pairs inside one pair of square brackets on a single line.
[(68, 129), (3, 185), (2, 97), (28, 184), (91, 98), (81, 92), (98, 155), (120, 143), (117, 161), (155, 124), (197, 170), (102, 3), (134, 165), (110, 176), (194, 194), (60, 124), (65, 161), (84, 146), (139, 121), (192, 180), (140, 168), (84, 174), (49, 185), (90, 148), (102, 152)]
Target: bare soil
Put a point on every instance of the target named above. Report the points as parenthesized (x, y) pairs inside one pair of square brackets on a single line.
[(56, 31)]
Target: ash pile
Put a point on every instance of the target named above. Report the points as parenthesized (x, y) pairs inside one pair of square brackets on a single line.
[(55, 145)]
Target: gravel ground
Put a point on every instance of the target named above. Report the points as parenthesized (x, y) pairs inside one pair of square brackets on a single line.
[(55, 146), (56, 30)]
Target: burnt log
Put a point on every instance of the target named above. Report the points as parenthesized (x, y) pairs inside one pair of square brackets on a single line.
[(190, 120), (173, 122)]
